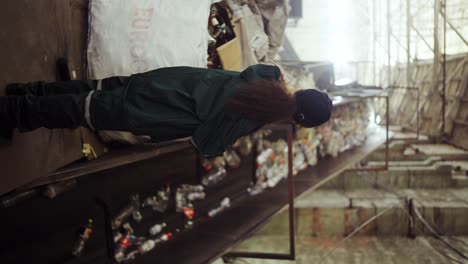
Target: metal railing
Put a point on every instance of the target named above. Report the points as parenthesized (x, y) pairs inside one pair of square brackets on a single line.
[(417, 108), (387, 141), (228, 257)]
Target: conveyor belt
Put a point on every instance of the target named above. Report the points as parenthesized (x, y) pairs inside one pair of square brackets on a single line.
[(43, 230)]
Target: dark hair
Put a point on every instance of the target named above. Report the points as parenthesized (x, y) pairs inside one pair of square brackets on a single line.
[(266, 101)]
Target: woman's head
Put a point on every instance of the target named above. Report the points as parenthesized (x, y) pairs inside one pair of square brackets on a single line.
[(269, 101), (313, 108)]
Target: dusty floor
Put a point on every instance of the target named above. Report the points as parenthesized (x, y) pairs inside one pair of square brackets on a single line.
[(434, 178), (34, 35), (356, 250)]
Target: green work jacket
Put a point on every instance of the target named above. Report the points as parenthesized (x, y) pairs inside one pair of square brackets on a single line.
[(178, 102)]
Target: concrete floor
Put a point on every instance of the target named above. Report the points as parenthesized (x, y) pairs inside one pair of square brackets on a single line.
[(34, 35), (360, 250), (435, 178)]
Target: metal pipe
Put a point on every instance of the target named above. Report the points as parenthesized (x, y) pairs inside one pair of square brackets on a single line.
[(454, 28), (395, 37), (379, 42), (444, 70), (292, 251), (435, 68), (376, 168), (242, 254), (291, 195), (389, 31), (422, 38), (411, 219), (436, 34), (374, 46), (387, 117), (408, 42), (418, 94), (417, 115), (460, 122), (403, 87)]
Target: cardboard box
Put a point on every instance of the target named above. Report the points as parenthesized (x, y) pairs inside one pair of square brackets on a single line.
[(230, 55)]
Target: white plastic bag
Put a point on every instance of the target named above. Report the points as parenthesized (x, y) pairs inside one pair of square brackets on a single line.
[(127, 37)]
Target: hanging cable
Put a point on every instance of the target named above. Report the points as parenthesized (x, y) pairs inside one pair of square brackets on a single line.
[(370, 220), (447, 256), (420, 217), (459, 241), (437, 235), (435, 248)]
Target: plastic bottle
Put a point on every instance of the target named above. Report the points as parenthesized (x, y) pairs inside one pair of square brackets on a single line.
[(214, 177), (150, 201), (166, 236), (256, 189), (192, 188), (219, 162), (117, 236), (272, 182), (225, 203), (147, 246), (137, 240), (196, 196), (164, 193), (136, 214), (181, 200), (124, 214), (158, 202), (127, 228), (245, 146), (207, 165), (189, 213), (154, 230), (232, 159), (80, 243), (121, 247), (264, 157)]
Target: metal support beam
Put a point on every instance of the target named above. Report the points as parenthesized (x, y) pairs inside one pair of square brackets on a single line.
[(411, 219), (436, 38), (422, 38), (435, 66), (387, 125), (417, 108), (292, 246), (387, 141), (389, 32), (399, 43), (374, 37), (444, 69), (292, 241), (408, 42), (453, 27)]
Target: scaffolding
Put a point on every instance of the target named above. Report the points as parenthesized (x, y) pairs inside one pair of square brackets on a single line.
[(397, 43), (438, 70)]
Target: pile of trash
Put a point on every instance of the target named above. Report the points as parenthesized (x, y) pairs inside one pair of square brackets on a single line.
[(257, 27)]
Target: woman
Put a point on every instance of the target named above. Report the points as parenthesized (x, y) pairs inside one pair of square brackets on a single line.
[(214, 107)]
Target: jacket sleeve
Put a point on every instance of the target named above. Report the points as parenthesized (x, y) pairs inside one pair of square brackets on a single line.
[(261, 71)]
